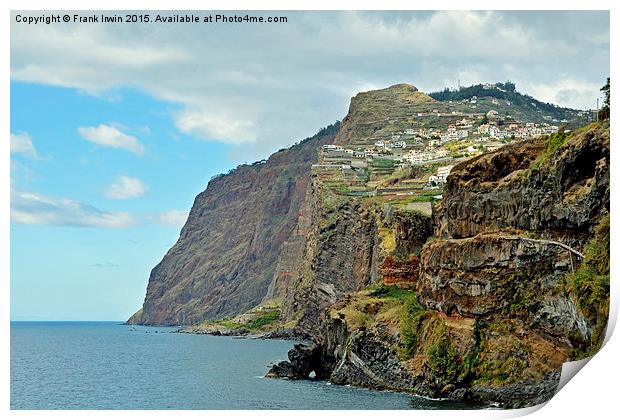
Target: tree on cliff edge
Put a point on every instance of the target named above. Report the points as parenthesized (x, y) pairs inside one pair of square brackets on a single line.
[(603, 114)]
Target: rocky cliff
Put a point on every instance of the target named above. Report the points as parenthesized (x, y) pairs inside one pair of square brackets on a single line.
[(344, 252), (224, 261), (557, 187), (514, 283)]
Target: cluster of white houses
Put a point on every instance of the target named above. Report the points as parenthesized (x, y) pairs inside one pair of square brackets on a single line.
[(515, 130), (420, 156), (425, 145)]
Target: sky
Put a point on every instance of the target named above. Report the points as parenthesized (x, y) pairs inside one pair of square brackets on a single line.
[(116, 127)]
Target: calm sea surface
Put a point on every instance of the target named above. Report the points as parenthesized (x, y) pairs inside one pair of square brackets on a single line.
[(106, 365)]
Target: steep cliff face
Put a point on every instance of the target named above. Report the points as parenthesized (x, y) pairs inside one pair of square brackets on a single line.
[(513, 228), (225, 258), (341, 255), (347, 243), (480, 275)]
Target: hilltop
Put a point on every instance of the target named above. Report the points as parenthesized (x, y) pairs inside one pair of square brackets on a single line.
[(510, 104), (400, 144), (376, 114)]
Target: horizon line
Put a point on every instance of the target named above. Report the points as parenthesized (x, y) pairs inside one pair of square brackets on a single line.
[(67, 320)]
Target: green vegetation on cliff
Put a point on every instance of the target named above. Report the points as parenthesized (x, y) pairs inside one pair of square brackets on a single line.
[(444, 359), (378, 304), (552, 144), (261, 319), (411, 325), (393, 292), (589, 284)]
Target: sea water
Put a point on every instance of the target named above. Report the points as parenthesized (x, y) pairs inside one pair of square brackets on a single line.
[(108, 365)]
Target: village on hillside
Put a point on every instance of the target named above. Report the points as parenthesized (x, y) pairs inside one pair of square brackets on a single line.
[(413, 164)]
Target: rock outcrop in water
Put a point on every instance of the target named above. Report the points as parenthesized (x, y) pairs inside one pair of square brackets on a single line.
[(364, 359)]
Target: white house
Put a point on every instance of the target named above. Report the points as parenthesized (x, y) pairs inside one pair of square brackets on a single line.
[(443, 172), (441, 153)]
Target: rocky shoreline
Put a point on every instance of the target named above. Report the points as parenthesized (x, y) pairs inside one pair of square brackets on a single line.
[(363, 360), (277, 334)]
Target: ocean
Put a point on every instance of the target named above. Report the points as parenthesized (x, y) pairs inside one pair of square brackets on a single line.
[(108, 365)]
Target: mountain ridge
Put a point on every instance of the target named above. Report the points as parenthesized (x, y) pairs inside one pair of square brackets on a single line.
[(535, 110)]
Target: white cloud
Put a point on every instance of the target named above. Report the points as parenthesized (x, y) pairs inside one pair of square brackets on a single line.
[(108, 136), (37, 209), (91, 52), (567, 89), (170, 218), (216, 126), (125, 187), (29, 208), (21, 143)]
